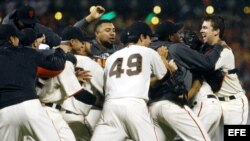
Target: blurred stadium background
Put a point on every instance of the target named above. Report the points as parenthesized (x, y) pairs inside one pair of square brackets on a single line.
[(58, 14)]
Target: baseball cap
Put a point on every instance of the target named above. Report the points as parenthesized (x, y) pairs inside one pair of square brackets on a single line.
[(123, 36), (29, 36), (74, 33), (138, 28), (167, 28), (7, 30), (87, 37), (26, 14)]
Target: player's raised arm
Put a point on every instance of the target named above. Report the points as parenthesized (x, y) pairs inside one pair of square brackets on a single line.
[(95, 13)]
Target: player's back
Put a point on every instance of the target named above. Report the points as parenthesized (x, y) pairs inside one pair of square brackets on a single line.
[(128, 71)]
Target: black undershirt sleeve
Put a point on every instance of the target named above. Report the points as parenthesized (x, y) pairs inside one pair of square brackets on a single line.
[(85, 97)]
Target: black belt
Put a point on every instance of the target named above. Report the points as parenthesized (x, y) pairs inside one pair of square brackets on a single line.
[(211, 96), (230, 98), (69, 112), (208, 96), (58, 107)]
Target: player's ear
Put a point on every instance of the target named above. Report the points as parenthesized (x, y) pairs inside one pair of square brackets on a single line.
[(141, 37), (217, 32), (71, 42)]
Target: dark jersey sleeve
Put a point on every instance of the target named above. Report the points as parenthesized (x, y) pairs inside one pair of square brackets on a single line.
[(83, 24), (194, 60)]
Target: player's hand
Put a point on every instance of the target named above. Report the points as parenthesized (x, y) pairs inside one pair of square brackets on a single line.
[(172, 66), (163, 51), (83, 75), (95, 13)]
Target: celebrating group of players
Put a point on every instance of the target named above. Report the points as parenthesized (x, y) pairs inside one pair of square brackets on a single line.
[(154, 86)]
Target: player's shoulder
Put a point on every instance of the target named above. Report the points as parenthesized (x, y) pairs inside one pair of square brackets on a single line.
[(28, 51), (150, 49), (120, 52), (142, 48), (227, 51), (68, 65), (84, 61), (176, 46), (126, 51), (82, 58)]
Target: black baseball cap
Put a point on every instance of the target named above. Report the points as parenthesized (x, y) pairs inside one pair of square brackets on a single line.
[(26, 14), (29, 36), (138, 28), (124, 36), (7, 30), (167, 28), (87, 37), (74, 33)]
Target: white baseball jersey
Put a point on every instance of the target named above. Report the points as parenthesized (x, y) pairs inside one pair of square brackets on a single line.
[(127, 76), (233, 99), (95, 84), (128, 71), (231, 84), (83, 122), (96, 71), (56, 90), (44, 46)]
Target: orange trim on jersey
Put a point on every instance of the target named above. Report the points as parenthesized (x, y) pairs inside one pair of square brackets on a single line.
[(242, 115), (42, 72)]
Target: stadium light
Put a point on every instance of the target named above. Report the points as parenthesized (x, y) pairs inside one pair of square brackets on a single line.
[(210, 9), (246, 9), (157, 9), (155, 20), (58, 15)]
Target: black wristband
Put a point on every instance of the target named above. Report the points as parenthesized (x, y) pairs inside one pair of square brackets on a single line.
[(85, 97)]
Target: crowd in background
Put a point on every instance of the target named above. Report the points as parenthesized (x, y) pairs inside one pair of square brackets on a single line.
[(237, 33)]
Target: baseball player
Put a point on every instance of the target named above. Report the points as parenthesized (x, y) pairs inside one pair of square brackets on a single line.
[(54, 91), (83, 118), (100, 47), (25, 17), (82, 121), (204, 102), (105, 34), (31, 38), (127, 76), (21, 112), (231, 95), (170, 113)]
